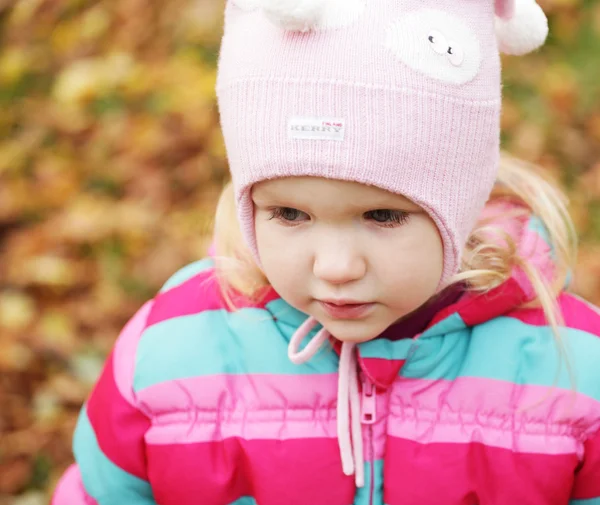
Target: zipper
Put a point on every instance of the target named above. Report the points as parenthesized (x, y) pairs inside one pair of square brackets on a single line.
[(369, 402), (369, 418)]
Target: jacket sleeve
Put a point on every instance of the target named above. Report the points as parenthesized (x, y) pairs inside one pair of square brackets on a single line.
[(109, 446), (587, 479)]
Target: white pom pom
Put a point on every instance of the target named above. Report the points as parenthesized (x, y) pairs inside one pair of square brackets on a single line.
[(246, 5), (294, 15), (525, 31)]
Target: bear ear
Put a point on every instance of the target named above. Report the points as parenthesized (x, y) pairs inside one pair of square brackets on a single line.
[(505, 9), (521, 26), (294, 15)]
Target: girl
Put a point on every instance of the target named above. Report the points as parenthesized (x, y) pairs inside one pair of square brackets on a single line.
[(374, 332)]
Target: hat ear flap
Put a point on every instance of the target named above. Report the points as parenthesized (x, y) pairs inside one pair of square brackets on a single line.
[(521, 26)]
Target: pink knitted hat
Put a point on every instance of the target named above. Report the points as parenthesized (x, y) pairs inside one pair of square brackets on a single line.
[(404, 95)]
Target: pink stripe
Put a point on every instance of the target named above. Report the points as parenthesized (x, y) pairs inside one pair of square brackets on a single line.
[(226, 471), (279, 425), (251, 407), (533, 247), (125, 350), (229, 393), (474, 473), (70, 490), (467, 431), (198, 294), (119, 427), (500, 414), (280, 407), (272, 406)]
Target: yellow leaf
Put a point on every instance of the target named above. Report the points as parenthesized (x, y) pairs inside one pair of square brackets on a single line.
[(13, 64), (95, 23), (80, 81), (17, 311), (49, 270), (23, 11), (88, 78), (57, 331)]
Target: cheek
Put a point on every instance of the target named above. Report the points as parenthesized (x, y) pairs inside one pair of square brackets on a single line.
[(417, 262), (280, 255), (429, 258)]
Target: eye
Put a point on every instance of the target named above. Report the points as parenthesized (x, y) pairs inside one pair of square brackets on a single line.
[(288, 215), (387, 217), (455, 54), (438, 42)]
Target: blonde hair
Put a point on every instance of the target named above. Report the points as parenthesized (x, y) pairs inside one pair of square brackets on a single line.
[(486, 263)]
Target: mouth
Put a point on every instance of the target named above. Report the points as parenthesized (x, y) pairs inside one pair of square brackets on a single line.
[(346, 309)]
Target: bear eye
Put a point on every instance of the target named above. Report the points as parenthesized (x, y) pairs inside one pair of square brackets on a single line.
[(438, 42), (455, 54)]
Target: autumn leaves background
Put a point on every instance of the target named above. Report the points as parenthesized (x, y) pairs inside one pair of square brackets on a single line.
[(111, 160)]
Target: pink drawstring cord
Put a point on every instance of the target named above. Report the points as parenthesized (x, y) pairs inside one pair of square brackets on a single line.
[(299, 357), (348, 400)]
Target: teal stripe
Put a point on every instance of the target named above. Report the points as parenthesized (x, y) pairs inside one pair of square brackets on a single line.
[(215, 342), (280, 309), (536, 225), (103, 480), (509, 350), (386, 349), (590, 501), (363, 493), (187, 273), (451, 324), (246, 500)]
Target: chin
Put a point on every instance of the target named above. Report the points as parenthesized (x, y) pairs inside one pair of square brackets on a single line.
[(352, 331)]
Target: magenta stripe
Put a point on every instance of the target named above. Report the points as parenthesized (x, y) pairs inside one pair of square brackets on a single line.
[(119, 427), (587, 484), (474, 473), (475, 309), (578, 314), (125, 350), (226, 471), (70, 490), (198, 294)]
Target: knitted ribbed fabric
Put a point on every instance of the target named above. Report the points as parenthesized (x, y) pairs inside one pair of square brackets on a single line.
[(402, 95)]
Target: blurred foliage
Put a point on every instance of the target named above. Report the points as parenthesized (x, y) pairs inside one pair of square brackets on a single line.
[(111, 160)]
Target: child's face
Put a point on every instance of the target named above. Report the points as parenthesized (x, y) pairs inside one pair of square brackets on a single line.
[(326, 245)]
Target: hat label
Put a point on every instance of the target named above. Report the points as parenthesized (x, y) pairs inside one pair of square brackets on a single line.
[(315, 128)]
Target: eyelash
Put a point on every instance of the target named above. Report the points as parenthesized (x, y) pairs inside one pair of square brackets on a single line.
[(394, 217)]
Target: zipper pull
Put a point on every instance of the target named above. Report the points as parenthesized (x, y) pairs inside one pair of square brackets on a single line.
[(369, 402)]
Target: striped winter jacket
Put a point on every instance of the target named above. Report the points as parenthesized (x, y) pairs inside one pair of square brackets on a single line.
[(198, 405)]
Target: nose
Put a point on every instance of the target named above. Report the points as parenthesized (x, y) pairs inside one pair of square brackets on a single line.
[(338, 263)]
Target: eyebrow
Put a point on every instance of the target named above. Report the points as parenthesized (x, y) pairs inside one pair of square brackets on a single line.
[(376, 203)]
